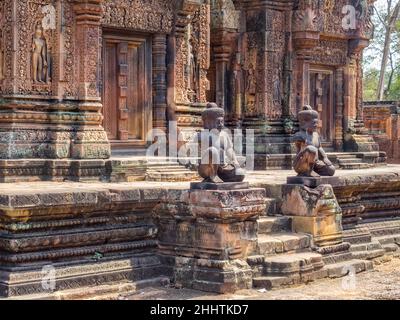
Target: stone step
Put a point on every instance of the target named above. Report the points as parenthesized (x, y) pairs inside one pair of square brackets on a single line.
[(164, 170), (337, 257), (274, 224), (341, 269), (369, 255), (170, 177), (347, 156), (387, 239), (112, 291), (292, 264), (336, 270), (391, 247), (375, 245), (355, 166), (349, 161), (274, 282), (282, 242)]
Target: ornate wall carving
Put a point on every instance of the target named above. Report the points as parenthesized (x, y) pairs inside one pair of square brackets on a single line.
[(30, 15), (224, 15), (145, 15), (331, 52), (193, 58), (2, 50)]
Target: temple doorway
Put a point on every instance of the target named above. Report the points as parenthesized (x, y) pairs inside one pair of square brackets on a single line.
[(127, 96), (322, 100)]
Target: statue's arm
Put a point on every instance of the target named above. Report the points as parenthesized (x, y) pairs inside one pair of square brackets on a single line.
[(298, 141), (324, 156), (44, 54), (230, 151)]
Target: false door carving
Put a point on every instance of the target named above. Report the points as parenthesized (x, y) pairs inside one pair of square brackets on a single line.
[(127, 98), (322, 100)]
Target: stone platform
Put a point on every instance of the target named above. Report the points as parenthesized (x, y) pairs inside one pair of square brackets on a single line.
[(96, 234)]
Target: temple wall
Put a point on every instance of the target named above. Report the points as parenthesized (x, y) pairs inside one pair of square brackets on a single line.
[(259, 60), (382, 121)]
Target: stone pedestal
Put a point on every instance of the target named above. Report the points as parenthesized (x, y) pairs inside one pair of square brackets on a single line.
[(314, 211), (206, 235)]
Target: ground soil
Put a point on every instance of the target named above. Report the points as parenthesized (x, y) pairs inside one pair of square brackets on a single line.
[(382, 283)]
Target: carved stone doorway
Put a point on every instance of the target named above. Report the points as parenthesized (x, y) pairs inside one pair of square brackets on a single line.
[(127, 95), (322, 99)]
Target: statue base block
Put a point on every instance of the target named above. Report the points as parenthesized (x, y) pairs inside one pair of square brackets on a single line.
[(311, 182), (205, 236), (314, 211), (219, 186)]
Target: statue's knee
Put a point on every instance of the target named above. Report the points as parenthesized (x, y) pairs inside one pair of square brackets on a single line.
[(311, 149), (210, 156), (331, 170)]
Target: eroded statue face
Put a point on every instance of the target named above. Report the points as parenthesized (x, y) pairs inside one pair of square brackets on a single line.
[(39, 33), (309, 120), (310, 125), (214, 123)]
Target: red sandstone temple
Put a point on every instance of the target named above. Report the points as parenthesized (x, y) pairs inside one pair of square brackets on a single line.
[(82, 82)]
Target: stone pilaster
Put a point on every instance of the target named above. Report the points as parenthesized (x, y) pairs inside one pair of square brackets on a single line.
[(160, 81), (47, 113)]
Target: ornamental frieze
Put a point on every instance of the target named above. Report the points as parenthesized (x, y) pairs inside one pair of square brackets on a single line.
[(143, 15)]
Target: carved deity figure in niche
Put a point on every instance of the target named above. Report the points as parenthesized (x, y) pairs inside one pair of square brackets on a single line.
[(311, 159), (192, 68), (251, 90), (39, 56), (277, 97), (218, 160)]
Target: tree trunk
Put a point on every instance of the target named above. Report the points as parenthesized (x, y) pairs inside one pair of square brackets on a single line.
[(386, 49)]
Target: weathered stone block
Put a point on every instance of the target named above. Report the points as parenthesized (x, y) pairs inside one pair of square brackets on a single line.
[(314, 211)]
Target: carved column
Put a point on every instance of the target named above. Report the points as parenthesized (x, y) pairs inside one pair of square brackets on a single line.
[(266, 65), (160, 81), (88, 35), (339, 109), (92, 143), (191, 63)]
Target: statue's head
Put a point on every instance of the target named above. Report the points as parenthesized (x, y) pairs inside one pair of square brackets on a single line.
[(213, 117), (308, 119)]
